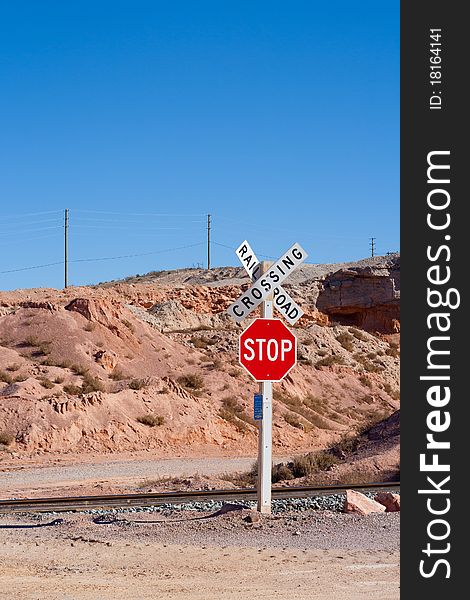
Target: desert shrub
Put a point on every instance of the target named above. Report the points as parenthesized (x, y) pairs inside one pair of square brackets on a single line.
[(129, 325), (13, 367), (368, 399), (293, 420), (307, 408), (89, 326), (367, 365), (346, 340), (46, 383), (79, 369), (358, 334), (346, 445), (91, 384), (322, 352), (73, 390), (313, 462), (58, 379), (230, 417), (232, 412), (192, 381), (372, 368), (138, 384), (329, 361), (6, 377), (31, 341), (392, 351), (20, 378), (151, 420), (6, 438), (365, 381), (198, 342), (216, 363), (281, 472), (42, 349), (117, 375), (63, 364), (372, 355)]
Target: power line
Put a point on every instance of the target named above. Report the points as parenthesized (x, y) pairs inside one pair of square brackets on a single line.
[(30, 268), (31, 223), (30, 230), (21, 216), (104, 212), (30, 239), (105, 228), (79, 260), (94, 220), (234, 249)]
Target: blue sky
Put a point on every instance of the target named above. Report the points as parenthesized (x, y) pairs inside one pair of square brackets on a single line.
[(281, 119)]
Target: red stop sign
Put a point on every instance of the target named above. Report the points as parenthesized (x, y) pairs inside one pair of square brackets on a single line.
[(268, 349)]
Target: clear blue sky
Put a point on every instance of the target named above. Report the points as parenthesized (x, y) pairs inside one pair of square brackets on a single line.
[(279, 118)]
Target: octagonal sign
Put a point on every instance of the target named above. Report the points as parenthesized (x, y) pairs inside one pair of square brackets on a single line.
[(268, 350)]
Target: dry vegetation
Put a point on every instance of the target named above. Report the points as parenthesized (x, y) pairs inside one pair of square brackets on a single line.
[(151, 420)]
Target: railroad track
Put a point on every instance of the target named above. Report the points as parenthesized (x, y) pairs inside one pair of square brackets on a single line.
[(77, 503)]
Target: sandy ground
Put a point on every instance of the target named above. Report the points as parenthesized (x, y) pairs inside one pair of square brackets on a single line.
[(333, 556)]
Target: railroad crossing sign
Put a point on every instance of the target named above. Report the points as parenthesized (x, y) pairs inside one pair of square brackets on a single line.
[(268, 350), (267, 283), (290, 310)]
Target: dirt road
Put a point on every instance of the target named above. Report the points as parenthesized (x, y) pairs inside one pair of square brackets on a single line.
[(222, 558), (108, 476)]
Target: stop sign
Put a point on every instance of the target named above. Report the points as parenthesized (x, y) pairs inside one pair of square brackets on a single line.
[(268, 350)]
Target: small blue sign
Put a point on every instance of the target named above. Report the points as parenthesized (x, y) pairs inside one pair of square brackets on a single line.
[(258, 407)]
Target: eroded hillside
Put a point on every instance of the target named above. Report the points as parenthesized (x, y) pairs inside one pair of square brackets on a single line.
[(151, 362)]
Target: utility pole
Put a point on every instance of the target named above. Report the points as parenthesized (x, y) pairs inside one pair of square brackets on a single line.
[(372, 246), (266, 424), (208, 242), (66, 246)]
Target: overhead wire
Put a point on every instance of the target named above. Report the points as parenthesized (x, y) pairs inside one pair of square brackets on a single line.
[(104, 258)]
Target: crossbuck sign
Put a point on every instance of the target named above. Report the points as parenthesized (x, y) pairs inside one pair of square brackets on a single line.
[(268, 283), (268, 350)]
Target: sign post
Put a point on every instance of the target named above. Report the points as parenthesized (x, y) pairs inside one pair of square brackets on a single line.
[(265, 441), (268, 350)]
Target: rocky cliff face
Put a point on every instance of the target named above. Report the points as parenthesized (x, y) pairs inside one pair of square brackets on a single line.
[(366, 297)]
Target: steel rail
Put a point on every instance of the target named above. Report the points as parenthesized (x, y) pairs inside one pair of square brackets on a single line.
[(76, 503)]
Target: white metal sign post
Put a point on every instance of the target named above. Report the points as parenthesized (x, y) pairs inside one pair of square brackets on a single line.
[(267, 291), (265, 426)]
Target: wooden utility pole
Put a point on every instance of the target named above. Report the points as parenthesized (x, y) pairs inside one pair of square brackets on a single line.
[(66, 246), (372, 246), (266, 424), (208, 242)]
